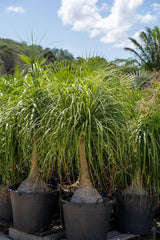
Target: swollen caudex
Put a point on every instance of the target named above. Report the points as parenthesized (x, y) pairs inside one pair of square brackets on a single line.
[(34, 183), (86, 193)]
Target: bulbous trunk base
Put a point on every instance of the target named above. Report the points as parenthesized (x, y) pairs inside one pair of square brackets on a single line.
[(86, 195), (33, 185)]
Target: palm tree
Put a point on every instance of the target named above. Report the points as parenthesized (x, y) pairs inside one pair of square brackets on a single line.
[(148, 50), (88, 126), (24, 101)]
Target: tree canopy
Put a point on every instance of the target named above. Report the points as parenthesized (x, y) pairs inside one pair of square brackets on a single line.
[(148, 48), (10, 51)]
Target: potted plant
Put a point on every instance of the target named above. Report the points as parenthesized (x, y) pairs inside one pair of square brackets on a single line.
[(89, 126), (138, 202), (12, 166), (33, 197), (28, 102), (135, 209), (87, 209)]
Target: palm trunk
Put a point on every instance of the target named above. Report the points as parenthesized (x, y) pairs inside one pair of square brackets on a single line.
[(86, 193), (84, 174), (33, 183)]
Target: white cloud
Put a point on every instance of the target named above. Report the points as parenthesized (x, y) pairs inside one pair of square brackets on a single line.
[(156, 7), (18, 9), (147, 18), (85, 15), (128, 43), (81, 14)]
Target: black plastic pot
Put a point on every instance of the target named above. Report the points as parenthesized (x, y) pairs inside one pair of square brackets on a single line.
[(5, 206), (135, 214), (87, 221), (33, 212)]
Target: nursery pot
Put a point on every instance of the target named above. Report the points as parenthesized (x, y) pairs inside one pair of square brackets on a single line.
[(33, 212), (87, 220), (135, 213), (5, 206)]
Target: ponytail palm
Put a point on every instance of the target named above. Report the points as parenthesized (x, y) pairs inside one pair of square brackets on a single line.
[(25, 101), (12, 166), (147, 140), (88, 103)]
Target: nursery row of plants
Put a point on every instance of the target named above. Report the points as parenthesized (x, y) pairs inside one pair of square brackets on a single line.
[(85, 123), (58, 104), (88, 124)]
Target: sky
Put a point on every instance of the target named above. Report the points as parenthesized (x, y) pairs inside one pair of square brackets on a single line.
[(83, 27)]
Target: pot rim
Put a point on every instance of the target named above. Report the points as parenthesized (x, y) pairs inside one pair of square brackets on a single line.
[(13, 188), (112, 201)]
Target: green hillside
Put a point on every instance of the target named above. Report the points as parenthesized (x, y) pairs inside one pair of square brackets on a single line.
[(10, 50)]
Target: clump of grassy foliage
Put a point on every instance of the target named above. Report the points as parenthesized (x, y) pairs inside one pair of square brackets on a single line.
[(89, 99), (146, 135), (67, 101)]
